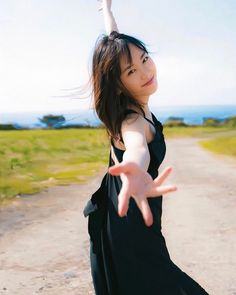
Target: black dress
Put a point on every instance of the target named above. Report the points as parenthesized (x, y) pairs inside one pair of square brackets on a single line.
[(127, 257)]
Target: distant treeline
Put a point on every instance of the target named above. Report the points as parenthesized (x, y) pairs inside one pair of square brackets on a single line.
[(57, 122), (207, 121)]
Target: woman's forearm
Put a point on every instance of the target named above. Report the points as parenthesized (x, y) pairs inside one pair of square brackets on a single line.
[(140, 156), (109, 20)]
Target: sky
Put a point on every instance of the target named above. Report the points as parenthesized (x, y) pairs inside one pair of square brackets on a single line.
[(46, 49)]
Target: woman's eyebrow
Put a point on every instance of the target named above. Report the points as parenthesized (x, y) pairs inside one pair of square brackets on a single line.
[(128, 67)]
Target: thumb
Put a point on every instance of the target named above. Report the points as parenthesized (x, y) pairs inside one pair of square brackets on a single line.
[(118, 168)]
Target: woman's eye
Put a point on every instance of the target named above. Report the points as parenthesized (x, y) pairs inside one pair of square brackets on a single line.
[(145, 58), (131, 72)]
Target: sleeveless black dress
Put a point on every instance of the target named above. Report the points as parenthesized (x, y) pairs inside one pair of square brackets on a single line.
[(127, 257)]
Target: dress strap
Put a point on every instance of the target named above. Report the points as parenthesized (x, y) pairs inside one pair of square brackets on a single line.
[(129, 111), (153, 124)]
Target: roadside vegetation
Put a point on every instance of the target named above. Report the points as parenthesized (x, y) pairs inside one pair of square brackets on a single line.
[(32, 160)]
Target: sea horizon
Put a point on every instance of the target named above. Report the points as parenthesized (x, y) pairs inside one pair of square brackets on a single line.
[(191, 114)]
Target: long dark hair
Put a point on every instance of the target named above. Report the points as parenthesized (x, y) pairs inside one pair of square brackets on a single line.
[(111, 98)]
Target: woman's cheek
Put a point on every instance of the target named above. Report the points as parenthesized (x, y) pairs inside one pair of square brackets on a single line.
[(132, 86)]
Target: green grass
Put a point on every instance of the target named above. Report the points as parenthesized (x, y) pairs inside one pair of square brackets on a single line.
[(194, 131), (221, 145), (220, 140), (32, 160)]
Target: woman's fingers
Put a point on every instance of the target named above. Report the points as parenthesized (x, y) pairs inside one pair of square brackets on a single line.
[(136, 183), (123, 200), (163, 175), (128, 167), (123, 205), (100, 5), (161, 190), (118, 169), (145, 209)]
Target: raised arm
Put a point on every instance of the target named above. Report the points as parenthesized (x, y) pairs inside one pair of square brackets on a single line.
[(109, 20)]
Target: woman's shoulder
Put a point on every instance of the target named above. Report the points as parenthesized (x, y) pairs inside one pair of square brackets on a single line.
[(132, 119), (138, 125), (132, 114)]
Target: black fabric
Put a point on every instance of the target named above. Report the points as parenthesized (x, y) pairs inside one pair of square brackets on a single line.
[(126, 256)]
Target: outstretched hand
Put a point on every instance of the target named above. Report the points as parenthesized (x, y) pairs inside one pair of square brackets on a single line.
[(139, 184)]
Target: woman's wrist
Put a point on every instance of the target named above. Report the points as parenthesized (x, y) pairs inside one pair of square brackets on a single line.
[(106, 8), (141, 159), (106, 4)]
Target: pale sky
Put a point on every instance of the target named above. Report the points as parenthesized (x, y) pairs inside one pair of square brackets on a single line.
[(46, 46)]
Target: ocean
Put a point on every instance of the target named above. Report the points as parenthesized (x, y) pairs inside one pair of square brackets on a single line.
[(191, 114)]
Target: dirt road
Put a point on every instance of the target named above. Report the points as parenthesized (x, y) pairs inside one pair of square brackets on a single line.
[(44, 241)]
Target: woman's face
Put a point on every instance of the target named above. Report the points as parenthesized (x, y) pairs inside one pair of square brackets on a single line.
[(135, 77)]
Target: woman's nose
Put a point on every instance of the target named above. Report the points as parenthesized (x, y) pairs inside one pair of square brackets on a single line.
[(145, 74)]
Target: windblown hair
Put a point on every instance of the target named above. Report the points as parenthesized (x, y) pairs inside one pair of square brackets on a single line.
[(111, 98)]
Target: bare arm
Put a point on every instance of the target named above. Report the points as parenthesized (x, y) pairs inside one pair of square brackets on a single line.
[(136, 181), (109, 20), (136, 148)]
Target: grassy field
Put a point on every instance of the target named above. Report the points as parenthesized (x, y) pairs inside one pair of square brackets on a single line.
[(32, 160), (221, 145), (219, 140), (197, 131), (35, 159)]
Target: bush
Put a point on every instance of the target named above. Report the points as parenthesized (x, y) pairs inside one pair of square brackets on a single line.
[(175, 121), (211, 122), (7, 127), (231, 121)]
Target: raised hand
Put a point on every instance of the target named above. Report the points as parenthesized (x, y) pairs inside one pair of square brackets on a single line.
[(138, 183), (105, 4)]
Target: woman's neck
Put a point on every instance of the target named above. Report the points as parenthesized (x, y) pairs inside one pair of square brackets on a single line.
[(146, 110)]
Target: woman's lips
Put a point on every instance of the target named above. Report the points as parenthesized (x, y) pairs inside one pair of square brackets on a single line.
[(149, 82)]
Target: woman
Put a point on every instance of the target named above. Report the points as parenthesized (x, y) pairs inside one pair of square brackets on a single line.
[(128, 252)]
